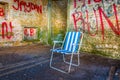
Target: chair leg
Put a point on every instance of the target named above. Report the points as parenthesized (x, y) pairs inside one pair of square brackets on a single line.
[(70, 63), (78, 60), (64, 57), (51, 59)]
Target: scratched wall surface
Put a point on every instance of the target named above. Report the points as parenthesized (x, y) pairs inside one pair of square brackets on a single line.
[(28, 21), (59, 18), (21, 20), (99, 20)]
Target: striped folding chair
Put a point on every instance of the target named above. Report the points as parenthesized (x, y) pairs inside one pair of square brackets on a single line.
[(71, 45)]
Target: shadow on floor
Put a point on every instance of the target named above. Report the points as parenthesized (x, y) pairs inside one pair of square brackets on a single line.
[(92, 67)]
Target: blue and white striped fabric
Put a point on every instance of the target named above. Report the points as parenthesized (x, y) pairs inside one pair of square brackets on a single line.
[(71, 43)]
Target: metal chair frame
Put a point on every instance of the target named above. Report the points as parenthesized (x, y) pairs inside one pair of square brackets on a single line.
[(64, 59)]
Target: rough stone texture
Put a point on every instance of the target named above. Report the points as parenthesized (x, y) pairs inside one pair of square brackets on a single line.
[(92, 67)]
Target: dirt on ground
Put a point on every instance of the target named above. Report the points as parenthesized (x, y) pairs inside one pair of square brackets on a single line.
[(10, 55), (91, 65)]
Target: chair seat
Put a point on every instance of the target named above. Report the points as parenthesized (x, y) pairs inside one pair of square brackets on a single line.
[(61, 51)]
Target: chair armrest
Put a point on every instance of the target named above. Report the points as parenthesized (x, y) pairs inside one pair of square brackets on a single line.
[(58, 41), (55, 48)]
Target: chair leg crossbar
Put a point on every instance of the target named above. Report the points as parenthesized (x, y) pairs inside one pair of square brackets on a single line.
[(70, 63)]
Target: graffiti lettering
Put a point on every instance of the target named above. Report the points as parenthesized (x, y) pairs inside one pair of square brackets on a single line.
[(89, 2), (2, 12), (75, 3), (29, 31), (114, 29), (89, 25), (76, 17), (26, 32), (97, 0), (32, 32), (5, 31), (16, 8), (86, 23), (27, 6)]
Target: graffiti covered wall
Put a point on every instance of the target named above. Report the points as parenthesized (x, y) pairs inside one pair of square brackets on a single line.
[(100, 22), (25, 22), (16, 16)]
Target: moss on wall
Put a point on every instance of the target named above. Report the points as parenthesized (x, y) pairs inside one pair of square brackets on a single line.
[(59, 19)]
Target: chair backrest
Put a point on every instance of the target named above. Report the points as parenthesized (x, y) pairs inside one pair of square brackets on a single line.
[(72, 41)]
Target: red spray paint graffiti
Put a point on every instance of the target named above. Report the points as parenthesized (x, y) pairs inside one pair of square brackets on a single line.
[(32, 32), (89, 2), (77, 18), (5, 30), (89, 24), (29, 31), (115, 29), (26, 32), (27, 6), (2, 12)]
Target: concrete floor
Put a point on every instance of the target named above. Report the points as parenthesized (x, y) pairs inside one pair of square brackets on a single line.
[(32, 63)]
